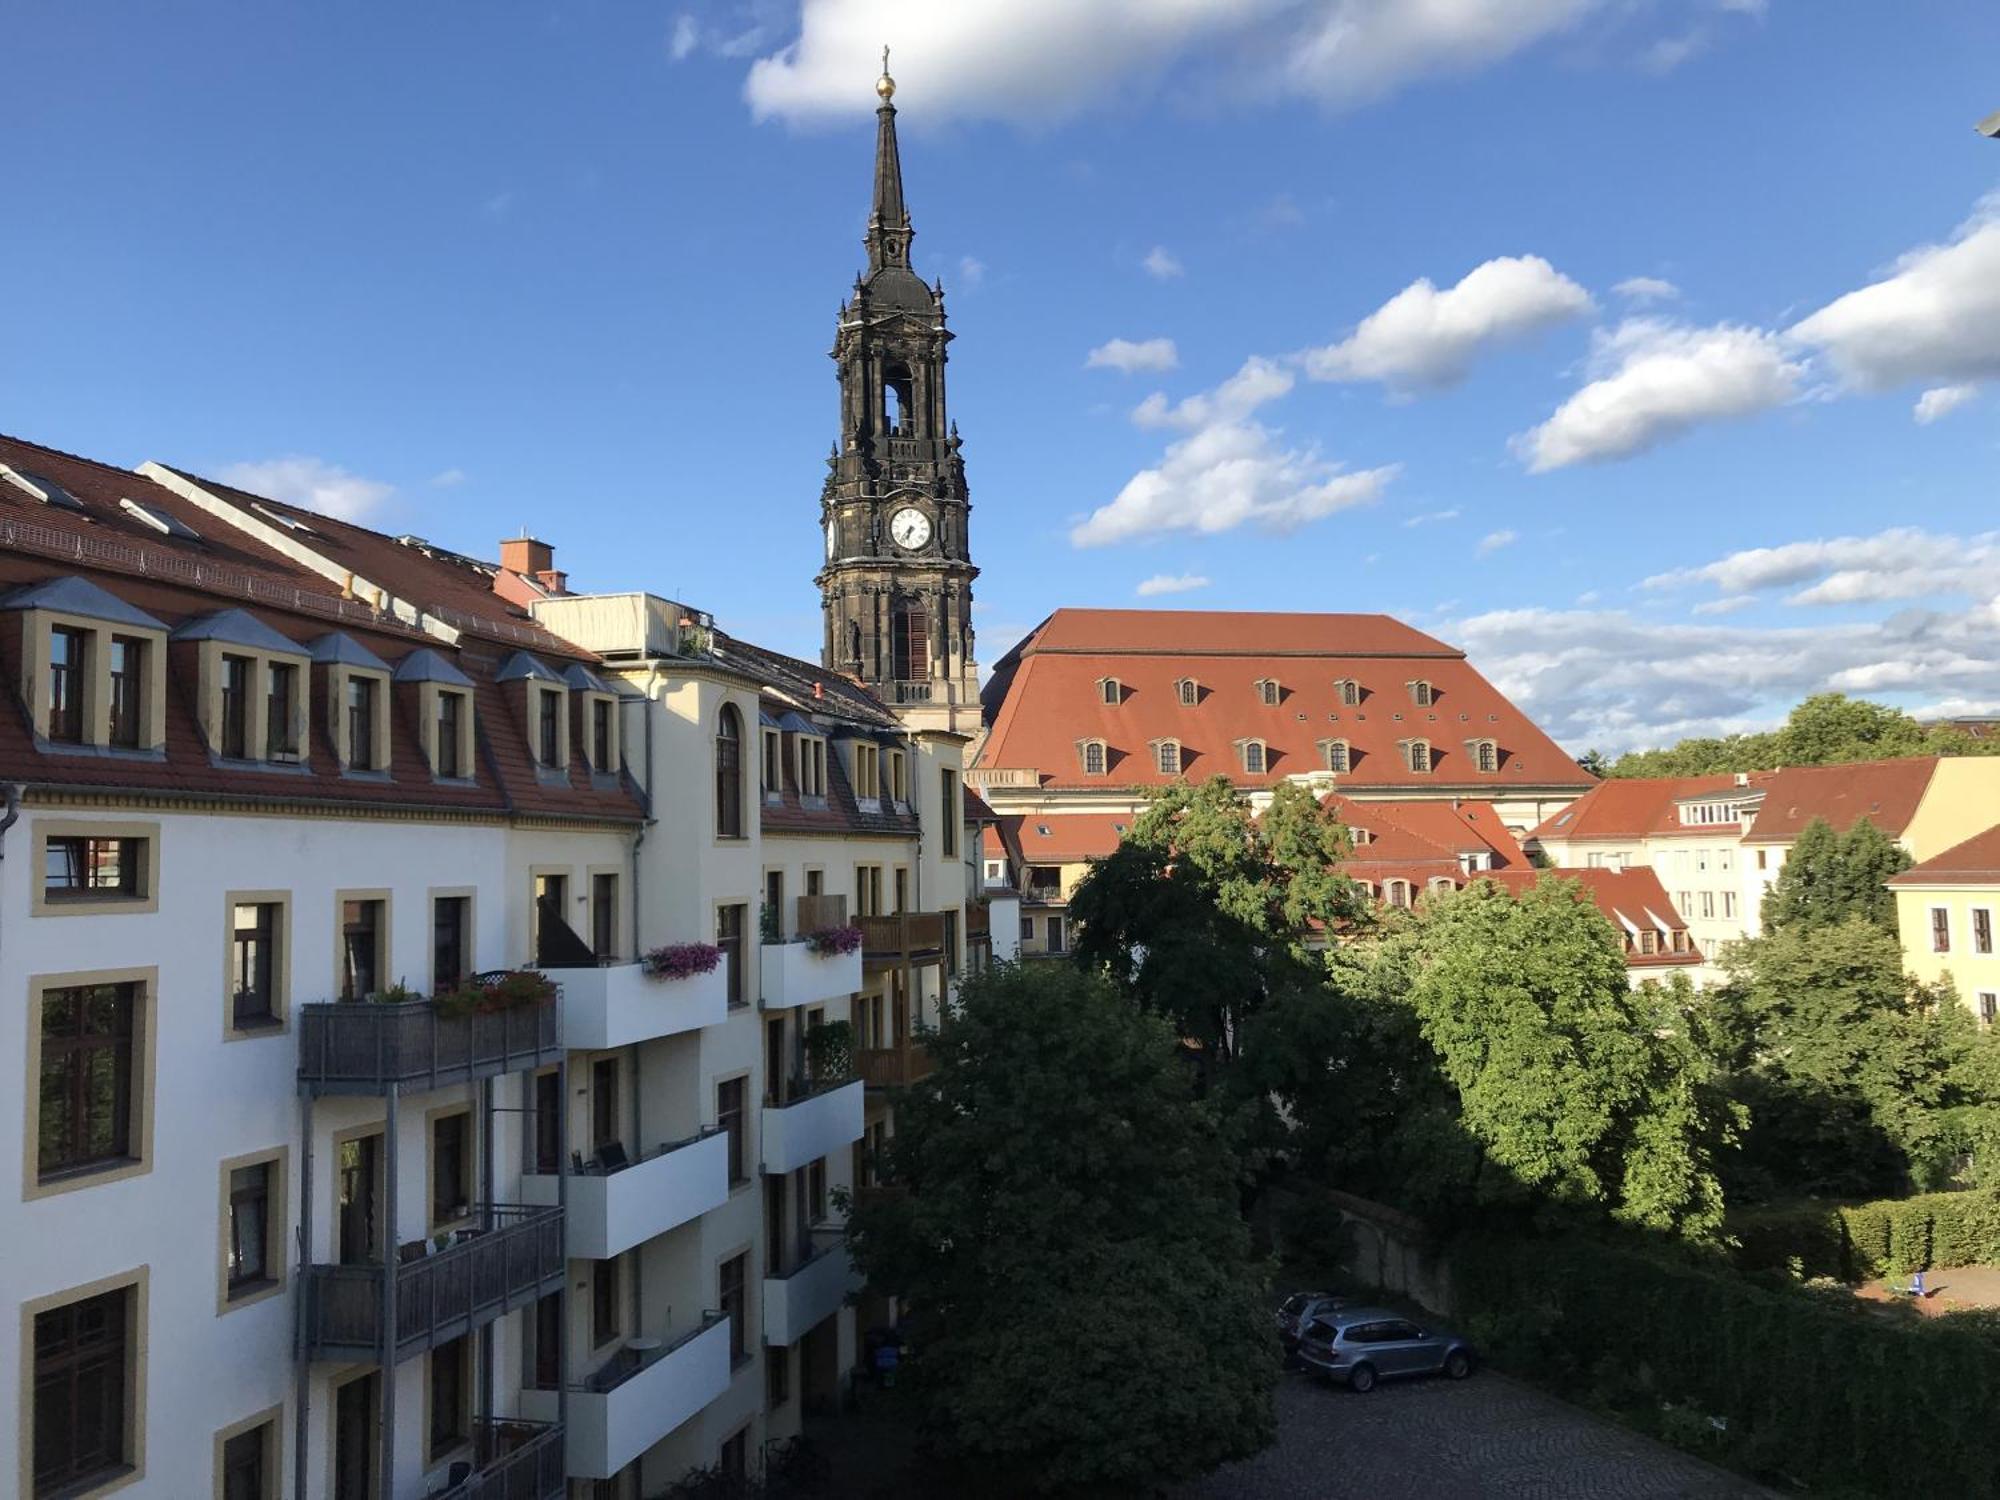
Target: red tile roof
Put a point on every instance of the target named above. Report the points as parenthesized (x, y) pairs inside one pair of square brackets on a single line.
[(1632, 898), (1638, 807), (1974, 862), (1071, 837), (1044, 699), (1421, 841), (1885, 792)]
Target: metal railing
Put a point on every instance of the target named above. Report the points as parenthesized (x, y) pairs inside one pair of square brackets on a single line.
[(893, 1067), (815, 1245), (364, 1046), (511, 1257), (513, 1461), (629, 1363)]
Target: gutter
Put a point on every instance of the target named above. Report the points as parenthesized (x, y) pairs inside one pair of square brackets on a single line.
[(11, 793)]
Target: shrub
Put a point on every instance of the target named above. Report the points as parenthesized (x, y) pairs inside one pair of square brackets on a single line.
[(1853, 1242), (486, 994), (1821, 1394), (826, 942), (681, 960)]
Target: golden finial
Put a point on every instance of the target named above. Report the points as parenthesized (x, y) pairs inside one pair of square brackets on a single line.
[(885, 86)]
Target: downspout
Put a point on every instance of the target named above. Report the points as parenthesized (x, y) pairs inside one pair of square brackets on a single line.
[(645, 799), (11, 792)]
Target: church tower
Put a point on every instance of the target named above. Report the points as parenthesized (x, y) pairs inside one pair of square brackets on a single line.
[(896, 591)]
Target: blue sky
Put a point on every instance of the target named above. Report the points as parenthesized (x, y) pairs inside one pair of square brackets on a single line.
[(575, 266)]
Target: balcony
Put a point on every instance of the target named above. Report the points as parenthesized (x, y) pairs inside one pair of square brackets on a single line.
[(643, 1395), (512, 1461), (514, 1256), (893, 1067), (368, 1047), (978, 920), (610, 1212), (910, 937), (794, 975), (799, 1299), (618, 1005), (808, 1128)]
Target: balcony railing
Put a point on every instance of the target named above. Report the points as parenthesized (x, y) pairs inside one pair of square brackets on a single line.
[(815, 912), (616, 1005), (1041, 894), (810, 1289), (978, 919), (893, 1067), (906, 936), (913, 692), (512, 1461), (612, 1209), (365, 1046), (511, 1257), (805, 1128)]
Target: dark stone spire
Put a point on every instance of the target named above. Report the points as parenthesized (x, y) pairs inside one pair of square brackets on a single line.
[(889, 229)]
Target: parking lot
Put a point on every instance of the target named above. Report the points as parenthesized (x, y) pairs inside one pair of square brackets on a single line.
[(1486, 1436)]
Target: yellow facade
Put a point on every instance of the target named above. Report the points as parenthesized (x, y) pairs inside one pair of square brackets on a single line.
[(1962, 798), (1969, 929)]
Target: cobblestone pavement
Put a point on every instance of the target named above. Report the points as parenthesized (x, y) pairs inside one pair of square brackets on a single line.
[(1486, 1438)]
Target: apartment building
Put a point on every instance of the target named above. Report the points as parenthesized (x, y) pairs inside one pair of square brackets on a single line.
[(1946, 909)]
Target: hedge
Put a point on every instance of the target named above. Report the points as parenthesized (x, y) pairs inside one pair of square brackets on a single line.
[(1852, 1242), (1843, 1401)]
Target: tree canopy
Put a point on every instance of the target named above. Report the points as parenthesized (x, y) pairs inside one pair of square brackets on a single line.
[(1828, 878), (1068, 1242), (1825, 729)]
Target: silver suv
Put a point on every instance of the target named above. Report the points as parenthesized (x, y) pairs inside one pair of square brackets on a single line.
[(1298, 1310), (1362, 1345)]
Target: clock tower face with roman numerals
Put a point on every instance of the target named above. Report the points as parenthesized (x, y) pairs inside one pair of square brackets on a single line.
[(896, 587)]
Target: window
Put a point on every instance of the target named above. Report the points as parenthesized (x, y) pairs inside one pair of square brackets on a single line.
[(601, 743), (1268, 691), (1253, 757), (1729, 903), (604, 915), (951, 812), (730, 1280), (548, 1123), (1055, 944), (360, 949), (1027, 929), (451, 1167), (128, 669), (1422, 693), (909, 643), (1167, 756), (252, 1264), (87, 1098), (69, 667), (1760, 858), (247, 1462), (1486, 755), (604, 1111), (1348, 692), (450, 1396), (548, 726), (234, 731), (1988, 1001), (1337, 756), (816, 1191), (729, 938), (451, 938), (867, 770), (83, 1391), (774, 764), (1188, 691), (253, 963), (450, 721), (812, 766), (545, 1352), (729, 774), (777, 1378), (729, 1115), (281, 741), (606, 1312), (361, 693), (868, 890), (1982, 930), (1417, 755), (1110, 690), (1396, 893), (1940, 930), (85, 869), (899, 790), (1708, 903)]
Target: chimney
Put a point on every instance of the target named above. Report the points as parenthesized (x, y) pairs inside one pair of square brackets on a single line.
[(523, 554)]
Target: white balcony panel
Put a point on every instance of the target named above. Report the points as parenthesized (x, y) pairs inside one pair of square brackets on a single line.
[(617, 1006), (608, 1429), (794, 975), (611, 1213), (803, 1131), (794, 1305)]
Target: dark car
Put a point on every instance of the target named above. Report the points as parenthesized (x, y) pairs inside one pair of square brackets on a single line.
[(1362, 1345), (1301, 1308)]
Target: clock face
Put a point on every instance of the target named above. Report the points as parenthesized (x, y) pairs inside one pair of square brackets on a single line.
[(910, 528)]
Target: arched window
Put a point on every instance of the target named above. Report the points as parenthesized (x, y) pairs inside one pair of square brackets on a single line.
[(1337, 758), (1093, 757), (1253, 757), (1267, 691), (729, 774), (1396, 893), (1417, 754), (1443, 883), (899, 416), (1359, 836), (1349, 691), (909, 642), (1111, 689), (1488, 756), (1167, 756), (1422, 693), (1188, 691)]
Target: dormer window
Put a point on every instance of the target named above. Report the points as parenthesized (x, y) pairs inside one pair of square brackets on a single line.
[(1252, 754), (542, 704), (899, 786), (1187, 692), (596, 718), (361, 715), (1111, 691), (1417, 755), (1396, 893), (1337, 755), (437, 696), (812, 766), (774, 762), (452, 722), (1347, 692), (1486, 755), (1268, 691), (356, 680), (867, 770), (69, 675), (1167, 757), (1094, 757), (548, 726), (1422, 693), (250, 706), (92, 667)]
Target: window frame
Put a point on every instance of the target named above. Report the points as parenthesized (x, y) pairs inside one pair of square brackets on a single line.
[(460, 1351), (1110, 691), (1160, 754), (1347, 691), (1187, 692), (951, 812), (233, 1030), (138, 1158), (1084, 747), (1982, 930), (147, 899), (1940, 929), (1262, 756), (276, 1160), (738, 1133), (467, 937), (589, 702), (468, 1167), (270, 1426), (457, 764), (603, 1305), (728, 775), (1410, 748), (383, 948), (135, 1284), (341, 679)]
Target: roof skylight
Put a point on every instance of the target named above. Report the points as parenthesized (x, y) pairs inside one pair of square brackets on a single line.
[(159, 520)]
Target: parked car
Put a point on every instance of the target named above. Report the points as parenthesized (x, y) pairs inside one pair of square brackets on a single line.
[(1362, 1345), (1300, 1309)]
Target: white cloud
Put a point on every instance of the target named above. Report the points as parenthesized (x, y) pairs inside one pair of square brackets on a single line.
[(971, 271), (1898, 565), (686, 37), (1425, 337), (1647, 289), (1493, 541), (1653, 381), (1171, 583), (1941, 401), (1728, 606), (1033, 60), (448, 479), (1669, 52), (1260, 380), (1130, 356), (1935, 318), (1432, 517), (1162, 265), (312, 483)]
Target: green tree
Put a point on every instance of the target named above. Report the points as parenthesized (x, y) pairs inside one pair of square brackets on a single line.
[(1584, 1091), (1823, 730), (1828, 878), (1090, 1318)]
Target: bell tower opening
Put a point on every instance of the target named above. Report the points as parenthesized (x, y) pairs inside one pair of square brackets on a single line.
[(910, 643)]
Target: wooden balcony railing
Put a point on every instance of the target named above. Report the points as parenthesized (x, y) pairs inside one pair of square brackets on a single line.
[(364, 1046), (978, 919), (815, 912), (511, 1257), (513, 1461), (907, 935), (893, 1067)]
